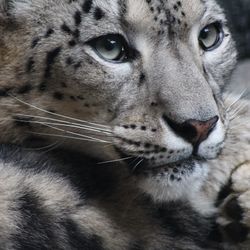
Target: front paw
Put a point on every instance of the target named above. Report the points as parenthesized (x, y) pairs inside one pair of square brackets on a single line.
[(234, 211)]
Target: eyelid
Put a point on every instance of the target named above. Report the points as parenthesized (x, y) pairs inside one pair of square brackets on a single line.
[(108, 34)]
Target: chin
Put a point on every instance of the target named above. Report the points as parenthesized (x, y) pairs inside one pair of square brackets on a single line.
[(172, 183)]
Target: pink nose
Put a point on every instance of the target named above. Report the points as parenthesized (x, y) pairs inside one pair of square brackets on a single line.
[(201, 129), (193, 131)]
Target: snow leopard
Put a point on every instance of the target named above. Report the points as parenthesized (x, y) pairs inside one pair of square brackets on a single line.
[(114, 129)]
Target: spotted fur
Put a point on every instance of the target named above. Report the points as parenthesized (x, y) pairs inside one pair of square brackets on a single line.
[(57, 92)]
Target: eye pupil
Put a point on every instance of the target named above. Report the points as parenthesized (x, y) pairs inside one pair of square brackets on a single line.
[(204, 33), (109, 45)]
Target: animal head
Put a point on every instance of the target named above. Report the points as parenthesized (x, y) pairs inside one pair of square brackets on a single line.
[(142, 75)]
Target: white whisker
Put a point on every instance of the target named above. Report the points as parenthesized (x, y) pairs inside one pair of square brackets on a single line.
[(41, 148), (234, 113), (67, 137), (238, 98), (58, 115), (137, 165), (73, 133), (64, 125), (67, 122), (117, 160)]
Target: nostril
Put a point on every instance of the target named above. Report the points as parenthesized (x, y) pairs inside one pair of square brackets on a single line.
[(193, 131)]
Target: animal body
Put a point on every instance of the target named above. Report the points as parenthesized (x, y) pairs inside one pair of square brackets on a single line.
[(125, 99)]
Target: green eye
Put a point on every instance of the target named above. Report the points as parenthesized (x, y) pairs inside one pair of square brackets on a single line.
[(211, 36), (111, 48)]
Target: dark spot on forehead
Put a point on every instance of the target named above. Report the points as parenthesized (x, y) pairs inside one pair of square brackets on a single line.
[(167, 16), (78, 18), (179, 3), (49, 33), (72, 43), (98, 14), (87, 5), (65, 28)]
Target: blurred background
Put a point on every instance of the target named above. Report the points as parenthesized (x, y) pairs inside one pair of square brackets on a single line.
[(238, 14)]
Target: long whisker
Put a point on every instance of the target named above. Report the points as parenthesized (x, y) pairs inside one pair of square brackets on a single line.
[(239, 97), (64, 125), (117, 160), (73, 133), (134, 160), (54, 147), (67, 122), (137, 165), (41, 148), (58, 115), (67, 137), (234, 113)]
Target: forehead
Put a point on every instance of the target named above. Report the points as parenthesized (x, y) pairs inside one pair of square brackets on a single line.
[(178, 13)]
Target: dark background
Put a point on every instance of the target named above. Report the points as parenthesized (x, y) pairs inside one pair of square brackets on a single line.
[(238, 13)]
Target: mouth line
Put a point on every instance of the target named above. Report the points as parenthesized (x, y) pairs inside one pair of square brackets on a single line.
[(184, 166), (143, 165), (177, 164)]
